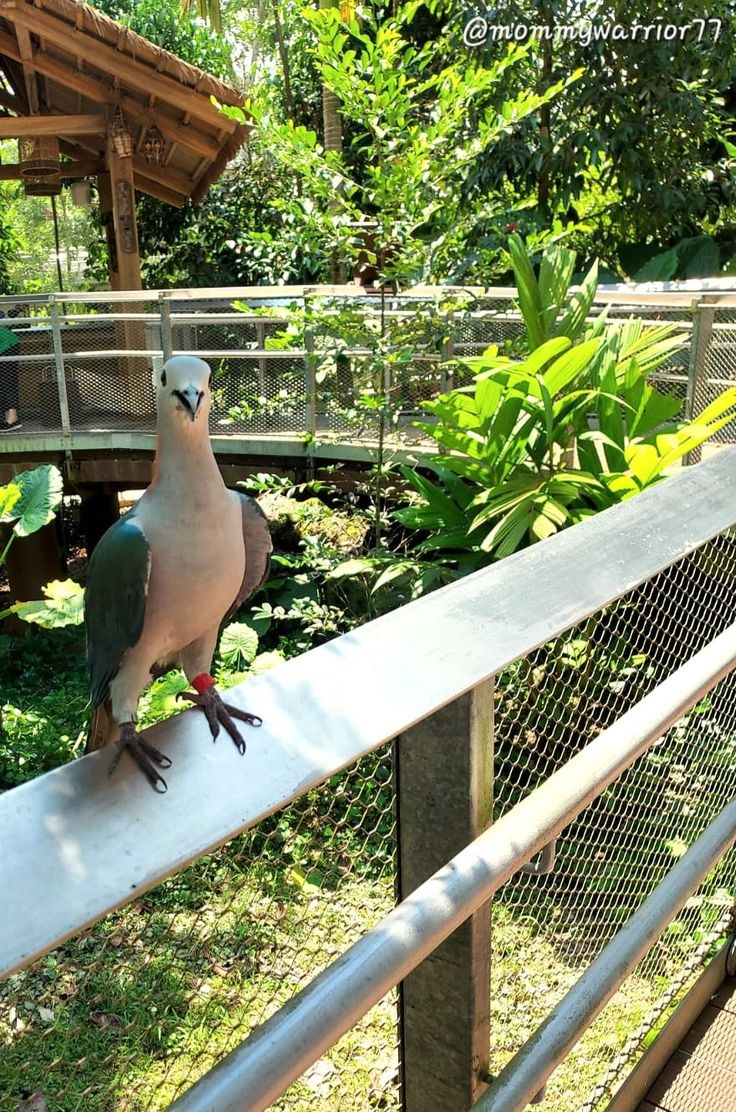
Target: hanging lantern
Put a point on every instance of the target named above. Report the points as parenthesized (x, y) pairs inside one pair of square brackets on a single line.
[(154, 145), (50, 186), (81, 192), (122, 140), (38, 156)]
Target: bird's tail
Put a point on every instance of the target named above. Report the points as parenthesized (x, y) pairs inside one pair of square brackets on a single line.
[(101, 727)]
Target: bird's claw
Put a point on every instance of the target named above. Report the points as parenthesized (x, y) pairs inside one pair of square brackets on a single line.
[(218, 712), (144, 754)]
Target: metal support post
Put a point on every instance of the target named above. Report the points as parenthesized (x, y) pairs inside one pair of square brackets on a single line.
[(66, 427), (310, 384), (703, 317), (167, 341), (447, 376), (444, 800)]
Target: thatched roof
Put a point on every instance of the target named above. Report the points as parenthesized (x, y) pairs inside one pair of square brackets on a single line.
[(65, 59)]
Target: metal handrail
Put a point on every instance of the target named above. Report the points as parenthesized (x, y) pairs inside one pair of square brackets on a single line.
[(256, 1073), (57, 880), (526, 1073)]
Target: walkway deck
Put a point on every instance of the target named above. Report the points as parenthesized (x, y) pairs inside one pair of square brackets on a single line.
[(701, 1074), (691, 1066), (102, 453)]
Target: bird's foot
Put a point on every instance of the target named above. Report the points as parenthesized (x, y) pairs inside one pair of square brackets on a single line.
[(144, 754), (218, 712)]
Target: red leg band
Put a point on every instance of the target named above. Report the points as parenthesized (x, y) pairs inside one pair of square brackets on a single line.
[(201, 682)]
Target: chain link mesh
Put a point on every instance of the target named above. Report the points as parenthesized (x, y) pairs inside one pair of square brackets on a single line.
[(131, 1013), (279, 371), (717, 368), (547, 929)]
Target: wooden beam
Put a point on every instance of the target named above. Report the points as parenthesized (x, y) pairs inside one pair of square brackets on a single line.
[(122, 195), (160, 192), (82, 168), (106, 58), (98, 91), (20, 126), (172, 181)]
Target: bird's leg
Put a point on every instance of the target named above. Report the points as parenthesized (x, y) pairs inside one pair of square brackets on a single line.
[(218, 712), (143, 753)]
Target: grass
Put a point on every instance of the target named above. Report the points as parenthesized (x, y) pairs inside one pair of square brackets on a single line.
[(127, 1017)]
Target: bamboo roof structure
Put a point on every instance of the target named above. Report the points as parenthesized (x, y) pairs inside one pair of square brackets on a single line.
[(66, 69)]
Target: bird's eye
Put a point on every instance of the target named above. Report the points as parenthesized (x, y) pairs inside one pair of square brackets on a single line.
[(163, 378)]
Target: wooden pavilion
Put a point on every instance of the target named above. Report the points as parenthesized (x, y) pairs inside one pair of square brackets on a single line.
[(113, 107)]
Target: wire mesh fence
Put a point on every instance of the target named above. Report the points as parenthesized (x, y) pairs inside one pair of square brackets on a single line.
[(302, 363), (127, 1016), (130, 1014), (549, 928)]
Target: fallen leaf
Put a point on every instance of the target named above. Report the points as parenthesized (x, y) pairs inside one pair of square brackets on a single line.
[(320, 1078), (101, 1020), (46, 1014), (36, 1102)]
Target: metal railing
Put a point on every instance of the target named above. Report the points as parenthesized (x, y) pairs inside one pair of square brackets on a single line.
[(572, 660), (86, 359)]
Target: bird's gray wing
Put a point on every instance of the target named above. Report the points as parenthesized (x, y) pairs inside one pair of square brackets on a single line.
[(258, 549), (115, 601)]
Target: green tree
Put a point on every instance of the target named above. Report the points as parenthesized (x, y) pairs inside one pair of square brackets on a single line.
[(413, 135)]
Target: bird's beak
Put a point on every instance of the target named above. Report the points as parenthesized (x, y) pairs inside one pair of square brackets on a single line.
[(190, 400)]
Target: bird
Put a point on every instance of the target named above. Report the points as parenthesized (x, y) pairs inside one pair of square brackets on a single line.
[(164, 578)]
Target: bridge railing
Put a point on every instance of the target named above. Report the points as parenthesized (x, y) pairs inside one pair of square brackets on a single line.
[(305, 362), (580, 690)]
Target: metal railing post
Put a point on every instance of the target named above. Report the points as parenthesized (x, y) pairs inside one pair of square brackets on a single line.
[(167, 340), (444, 774), (448, 354), (310, 384), (66, 427), (703, 317)]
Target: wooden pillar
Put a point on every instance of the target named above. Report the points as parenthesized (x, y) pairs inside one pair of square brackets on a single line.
[(122, 199), (120, 195), (108, 222), (445, 794)]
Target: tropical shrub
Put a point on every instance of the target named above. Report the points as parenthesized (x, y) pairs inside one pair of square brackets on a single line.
[(537, 444), (27, 504)]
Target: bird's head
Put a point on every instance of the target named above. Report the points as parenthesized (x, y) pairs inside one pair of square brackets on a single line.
[(183, 388)]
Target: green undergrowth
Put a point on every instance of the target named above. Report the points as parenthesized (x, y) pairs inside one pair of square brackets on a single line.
[(126, 1017)]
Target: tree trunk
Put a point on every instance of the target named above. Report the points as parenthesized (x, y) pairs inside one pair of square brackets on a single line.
[(332, 129)]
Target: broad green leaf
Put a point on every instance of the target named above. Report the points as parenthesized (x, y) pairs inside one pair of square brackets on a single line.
[(264, 662), (530, 301), (567, 368), (660, 268), (238, 643), (349, 568), (9, 495), (555, 275), (547, 518), (573, 322), (63, 605), (643, 461), (41, 492)]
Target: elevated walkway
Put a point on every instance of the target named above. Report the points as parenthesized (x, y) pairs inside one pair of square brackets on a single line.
[(691, 1065)]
